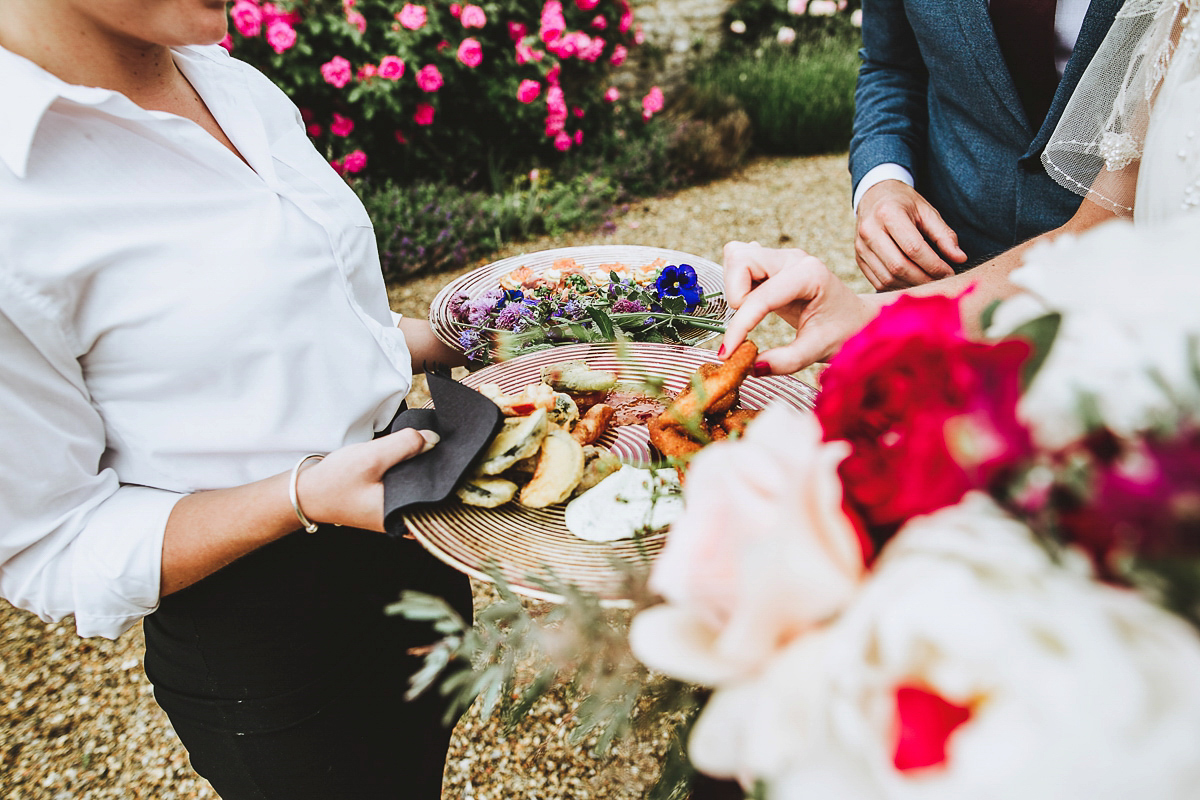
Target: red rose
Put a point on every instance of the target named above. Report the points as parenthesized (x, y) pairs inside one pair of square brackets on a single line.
[(930, 415)]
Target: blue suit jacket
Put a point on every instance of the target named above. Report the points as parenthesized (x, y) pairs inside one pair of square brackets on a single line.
[(935, 96)]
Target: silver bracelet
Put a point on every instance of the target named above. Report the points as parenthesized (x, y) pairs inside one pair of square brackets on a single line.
[(307, 524)]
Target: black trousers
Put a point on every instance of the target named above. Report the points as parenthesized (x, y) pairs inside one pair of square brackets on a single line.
[(285, 679)]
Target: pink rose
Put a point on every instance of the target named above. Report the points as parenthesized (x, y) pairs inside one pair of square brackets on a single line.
[(587, 5), (424, 115), (272, 12), (562, 142), (401, 138), (517, 31), (247, 18), (338, 167), (652, 103), (280, 35), (355, 162), (763, 553), (337, 71), (626, 21), (470, 52), (552, 75), (314, 130), (367, 71), (599, 23), (593, 51), (612, 95), (412, 17), (455, 10), (618, 55), (553, 23), (525, 53), (578, 138), (556, 101), (528, 91), (341, 126), (429, 79), (358, 21), (391, 68), (473, 17), (638, 36), (227, 43)]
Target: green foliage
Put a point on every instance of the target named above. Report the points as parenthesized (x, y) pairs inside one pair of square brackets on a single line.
[(800, 101), (479, 127)]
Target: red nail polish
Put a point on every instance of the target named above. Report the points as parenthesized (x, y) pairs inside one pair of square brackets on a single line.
[(761, 368), (721, 351)]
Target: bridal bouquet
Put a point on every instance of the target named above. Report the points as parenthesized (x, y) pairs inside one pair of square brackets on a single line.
[(970, 573)]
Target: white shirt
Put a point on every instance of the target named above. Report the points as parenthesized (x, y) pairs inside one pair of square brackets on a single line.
[(1068, 21), (171, 320)]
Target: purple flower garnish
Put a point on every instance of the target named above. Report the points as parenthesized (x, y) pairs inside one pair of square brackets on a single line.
[(627, 306), (680, 281), (457, 305), (472, 344), (511, 316)]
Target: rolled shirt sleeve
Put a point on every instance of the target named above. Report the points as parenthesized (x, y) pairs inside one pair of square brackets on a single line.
[(73, 540)]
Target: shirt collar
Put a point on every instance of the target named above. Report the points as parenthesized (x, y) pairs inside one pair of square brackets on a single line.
[(27, 91)]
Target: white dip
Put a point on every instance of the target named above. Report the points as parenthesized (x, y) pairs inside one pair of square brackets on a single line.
[(625, 503)]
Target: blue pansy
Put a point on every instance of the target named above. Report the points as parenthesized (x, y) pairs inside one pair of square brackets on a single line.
[(680, 281)]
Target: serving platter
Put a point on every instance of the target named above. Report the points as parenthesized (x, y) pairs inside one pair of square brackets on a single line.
[(479, 281), (528, 545)]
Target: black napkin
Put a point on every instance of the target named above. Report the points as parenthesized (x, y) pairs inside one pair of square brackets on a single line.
[(466, 421)]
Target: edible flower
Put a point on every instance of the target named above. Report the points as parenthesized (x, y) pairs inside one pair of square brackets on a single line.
[(680, 281)]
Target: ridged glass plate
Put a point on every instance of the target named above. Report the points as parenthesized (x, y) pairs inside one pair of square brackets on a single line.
[(482, 280), (525, 543)]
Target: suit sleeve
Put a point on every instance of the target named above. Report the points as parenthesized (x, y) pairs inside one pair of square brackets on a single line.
[(890, 105), (73, 539)]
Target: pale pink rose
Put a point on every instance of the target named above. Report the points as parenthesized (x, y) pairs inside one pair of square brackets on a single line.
[(593, 51), (528, 91), (227, 42), (652, 103), (587, 5), (424, 115), (429, 78), (822, 8), (367, 71), (618, 55), (314, 130), (553, 23), (473, 17), (562, 142), (341, 126), (247, 18), (612, 95), (337, 71), (355, 162), (599, 22), (578, 138), (280, 35), (412, 17), (797, 7), (470, 53), (525, 53), (517, 31), (856, 17), (762, 554), (842, 4), (786, 35), (638, 36), (358, 21), (556, 101), (391, 68)]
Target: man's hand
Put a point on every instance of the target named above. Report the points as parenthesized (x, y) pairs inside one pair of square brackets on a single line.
[(895, 227)]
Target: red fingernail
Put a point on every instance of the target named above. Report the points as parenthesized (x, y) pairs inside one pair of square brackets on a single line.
[(761, 368), (721, 351)]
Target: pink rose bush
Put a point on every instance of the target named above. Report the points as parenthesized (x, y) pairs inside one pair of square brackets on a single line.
[(375, 61)]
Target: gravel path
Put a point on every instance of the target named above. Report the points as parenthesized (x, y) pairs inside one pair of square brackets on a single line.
[(77, 719)]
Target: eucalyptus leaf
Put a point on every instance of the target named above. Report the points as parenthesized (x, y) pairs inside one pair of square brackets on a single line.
[(1040, 334)]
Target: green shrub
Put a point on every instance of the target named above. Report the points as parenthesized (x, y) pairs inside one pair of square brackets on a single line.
[(800, 101)]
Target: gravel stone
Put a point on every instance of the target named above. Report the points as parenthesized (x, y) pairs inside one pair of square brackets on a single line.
[(77, 717)]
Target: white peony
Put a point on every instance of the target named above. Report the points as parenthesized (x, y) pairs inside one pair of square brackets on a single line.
[(1129, 298), (762, 553), (786, 35), (1076, 690)]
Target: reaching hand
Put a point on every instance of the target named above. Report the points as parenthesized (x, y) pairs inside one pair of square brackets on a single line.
[(802, 290), (894, 224), (347, 486)]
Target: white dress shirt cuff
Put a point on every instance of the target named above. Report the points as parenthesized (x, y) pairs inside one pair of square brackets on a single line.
[(116, 562), (879, 174)]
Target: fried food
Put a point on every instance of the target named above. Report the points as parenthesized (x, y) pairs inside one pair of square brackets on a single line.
[(699, 412), (559, 469), (486, 492), (593, 424), (670, 439), (734, 423), (713, 388), (576, 377), (519, 438)]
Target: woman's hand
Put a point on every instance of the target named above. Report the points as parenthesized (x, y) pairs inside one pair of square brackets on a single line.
[(346, 487), (799, 288)]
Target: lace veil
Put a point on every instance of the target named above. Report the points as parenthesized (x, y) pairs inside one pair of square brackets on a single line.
[(1096, 149)]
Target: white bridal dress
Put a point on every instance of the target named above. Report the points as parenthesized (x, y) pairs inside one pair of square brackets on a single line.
[(1130, 136)]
